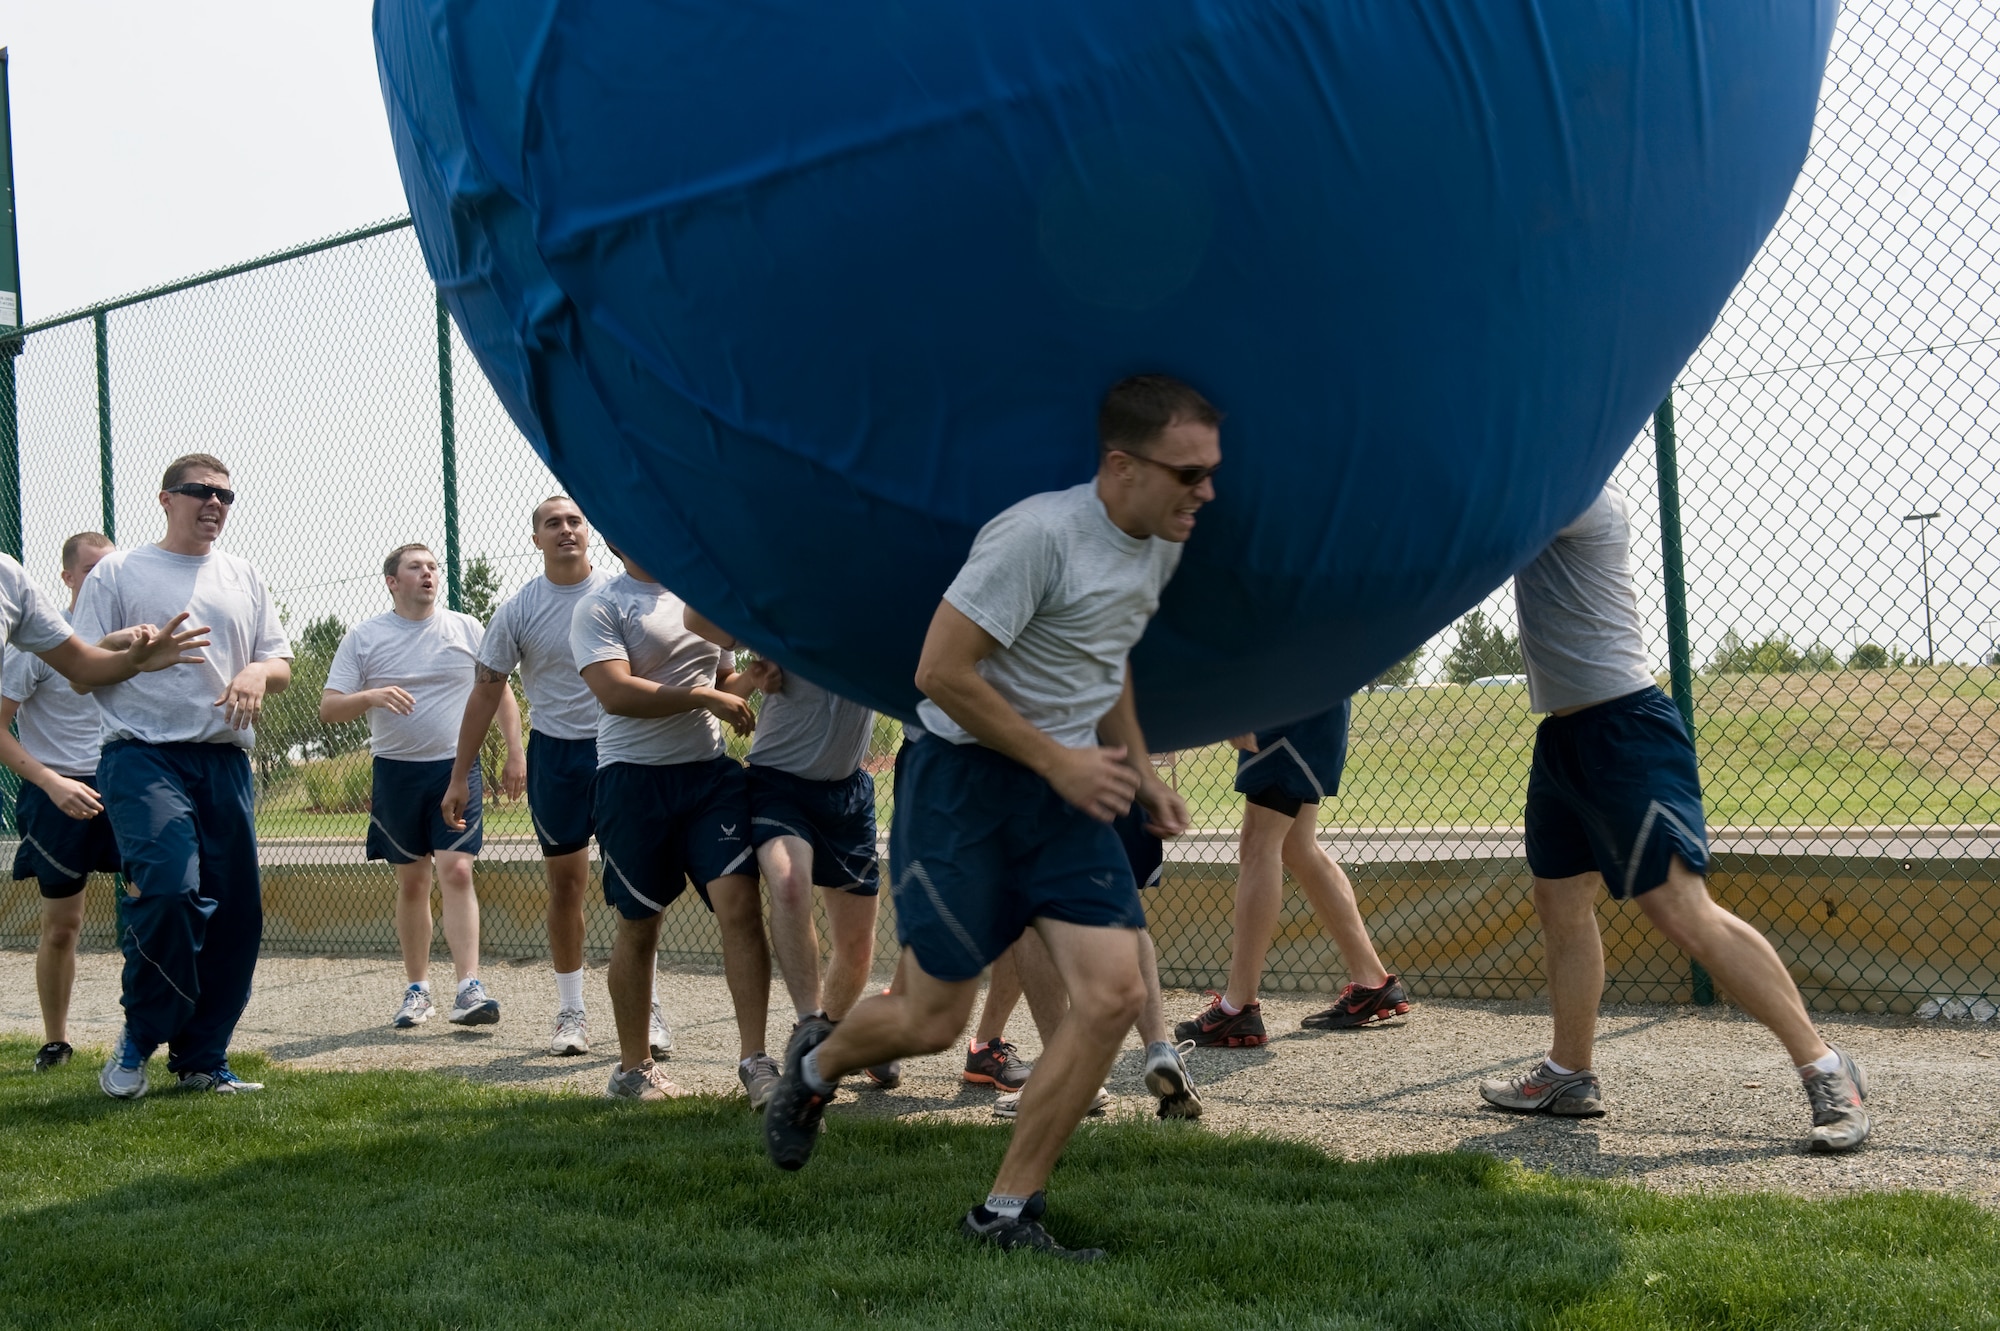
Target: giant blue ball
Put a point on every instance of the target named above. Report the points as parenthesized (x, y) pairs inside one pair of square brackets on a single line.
[(794, 295)]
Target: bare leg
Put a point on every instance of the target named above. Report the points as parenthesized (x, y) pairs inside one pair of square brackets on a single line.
[(1573, 962), (1153, 1013), (787, 867), (55, 963), (569, 879), (850, 919), (1741, 959), (1332, 900), (1003, 992), (630, 979), (461, 911), (1100, 970), (1259, 887), (1048, 999), (413, 918), (920, 1015), (746, 958)]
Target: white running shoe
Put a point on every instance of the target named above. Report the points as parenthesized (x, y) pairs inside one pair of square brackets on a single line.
[(648, 1081), (124, 1074), (1009, 1105), (1167, 1077), (474, 1006), (572, 1035), (658, 1036), (416, 1010)]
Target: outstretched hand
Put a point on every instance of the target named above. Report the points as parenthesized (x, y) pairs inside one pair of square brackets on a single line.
[(158, 648)]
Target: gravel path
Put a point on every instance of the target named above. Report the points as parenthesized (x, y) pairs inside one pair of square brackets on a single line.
[(1698, 1098)]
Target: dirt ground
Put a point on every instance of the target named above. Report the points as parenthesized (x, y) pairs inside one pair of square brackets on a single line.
[(1696, 1098)]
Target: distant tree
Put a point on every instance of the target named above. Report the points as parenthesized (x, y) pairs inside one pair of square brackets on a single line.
[(1400, 675), (1482, 650), (1771, 655), (1868, 656), (479, 589), (1819, 657), (290, 723)]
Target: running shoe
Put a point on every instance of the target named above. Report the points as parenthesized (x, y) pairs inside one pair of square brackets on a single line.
[(1025, 1231), (221, 1081), (815, 1027), (1839, 1121), (474, 1006), (648, 1081), (52, 1055), (888, 1075), (996, 1063), (123, 1076), (1212, 1028), (1543, 1090), (1357, 1007), (1167, 1077), (572, 1033), (659, 1040), (759, 1074), (416, 1010), (795, 1112), (1008, 1106)]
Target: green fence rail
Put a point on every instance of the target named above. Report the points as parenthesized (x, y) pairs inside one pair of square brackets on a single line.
[(1832, 647)]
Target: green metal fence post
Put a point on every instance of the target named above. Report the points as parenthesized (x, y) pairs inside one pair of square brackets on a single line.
[(10, 318), (102, 326), (448, 438), (1680, 670)]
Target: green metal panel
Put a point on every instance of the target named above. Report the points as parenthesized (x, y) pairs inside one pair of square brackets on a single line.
[(448, 441)]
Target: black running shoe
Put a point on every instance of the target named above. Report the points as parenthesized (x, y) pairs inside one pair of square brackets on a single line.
[(793, 1113), (1212, 1028), (887, 1075), (1357, 1007), (52, 1055), (997, 1064), (1023, 1232)]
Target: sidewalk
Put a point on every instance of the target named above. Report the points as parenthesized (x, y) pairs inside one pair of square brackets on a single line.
[(1697, 1098)]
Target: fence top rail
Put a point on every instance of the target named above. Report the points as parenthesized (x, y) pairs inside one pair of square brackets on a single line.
[(212, 275)]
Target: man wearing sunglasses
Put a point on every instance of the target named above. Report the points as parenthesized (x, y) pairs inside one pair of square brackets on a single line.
[(1030, 750), (174, 776)]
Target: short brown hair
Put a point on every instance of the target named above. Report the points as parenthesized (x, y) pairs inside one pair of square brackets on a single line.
[(74, 547), (178, 469), (536, 517), (1138, 410), (394, 561)]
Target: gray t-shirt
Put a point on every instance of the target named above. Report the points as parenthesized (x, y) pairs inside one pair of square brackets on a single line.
[(1580, 632), (430, 659), (27, 620), (530, 631), (1067, 594), (148, 585), (641, 624), (811, 733), (58, 725)]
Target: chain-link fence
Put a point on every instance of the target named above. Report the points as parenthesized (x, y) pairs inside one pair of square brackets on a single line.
[(1816, 540)]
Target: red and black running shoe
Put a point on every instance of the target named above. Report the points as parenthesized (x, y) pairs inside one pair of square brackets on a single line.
[(996, 1063), (1357, 1007), (1212, 1028)]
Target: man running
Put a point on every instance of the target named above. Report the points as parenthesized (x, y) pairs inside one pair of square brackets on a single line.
[(1283, 774), (671, 807), (530, 632), (812, 820), (65, 836), (1004, 807), (409, 671), (174, 775), (1614, 800)]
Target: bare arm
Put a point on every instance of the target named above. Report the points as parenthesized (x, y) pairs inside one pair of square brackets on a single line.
[(337, 708), (703, 627), (481, 706), (138, 649), (622, 693), (1098, 781), (73, 797), (514, 768)]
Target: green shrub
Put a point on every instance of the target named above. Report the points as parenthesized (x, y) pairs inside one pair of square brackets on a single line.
[(338, 785)]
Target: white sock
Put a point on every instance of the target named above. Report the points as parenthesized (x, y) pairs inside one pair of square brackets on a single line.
[(1229, 1009), (1829, 1063), (470, 979), (1001, 1204), (569, 990), (809, 1070), (1558, 1068), (424, 985)]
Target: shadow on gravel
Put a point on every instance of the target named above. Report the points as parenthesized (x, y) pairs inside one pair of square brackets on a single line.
[(1576, 1146)]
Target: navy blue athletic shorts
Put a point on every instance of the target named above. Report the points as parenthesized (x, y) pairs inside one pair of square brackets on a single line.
[(1298, 764), (1614, 789), (405, 817), (1145, 852), (562, 773), (59, 851), (835, 818), (660, 827), (980, 846)]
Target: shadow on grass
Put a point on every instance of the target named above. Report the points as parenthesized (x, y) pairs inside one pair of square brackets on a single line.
[(342, 1199)]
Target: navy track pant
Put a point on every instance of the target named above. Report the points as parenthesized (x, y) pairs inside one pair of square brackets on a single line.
[(191, 924)]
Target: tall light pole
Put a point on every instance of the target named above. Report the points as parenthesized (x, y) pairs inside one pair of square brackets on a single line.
[(1923, 521)]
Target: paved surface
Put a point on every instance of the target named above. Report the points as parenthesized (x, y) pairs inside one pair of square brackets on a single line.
[(1698, 1098)]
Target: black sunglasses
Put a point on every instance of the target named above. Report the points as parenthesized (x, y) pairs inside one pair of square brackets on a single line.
[(1190, 476), (195, 490)]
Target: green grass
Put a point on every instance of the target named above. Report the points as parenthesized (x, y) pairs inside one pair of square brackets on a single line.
[(412, 1200)]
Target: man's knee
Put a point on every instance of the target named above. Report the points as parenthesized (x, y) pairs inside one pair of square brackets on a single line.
[(1112, 999), (1566, 900), (790, 886), (1681, 907), (60, 930), (735, 903)]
